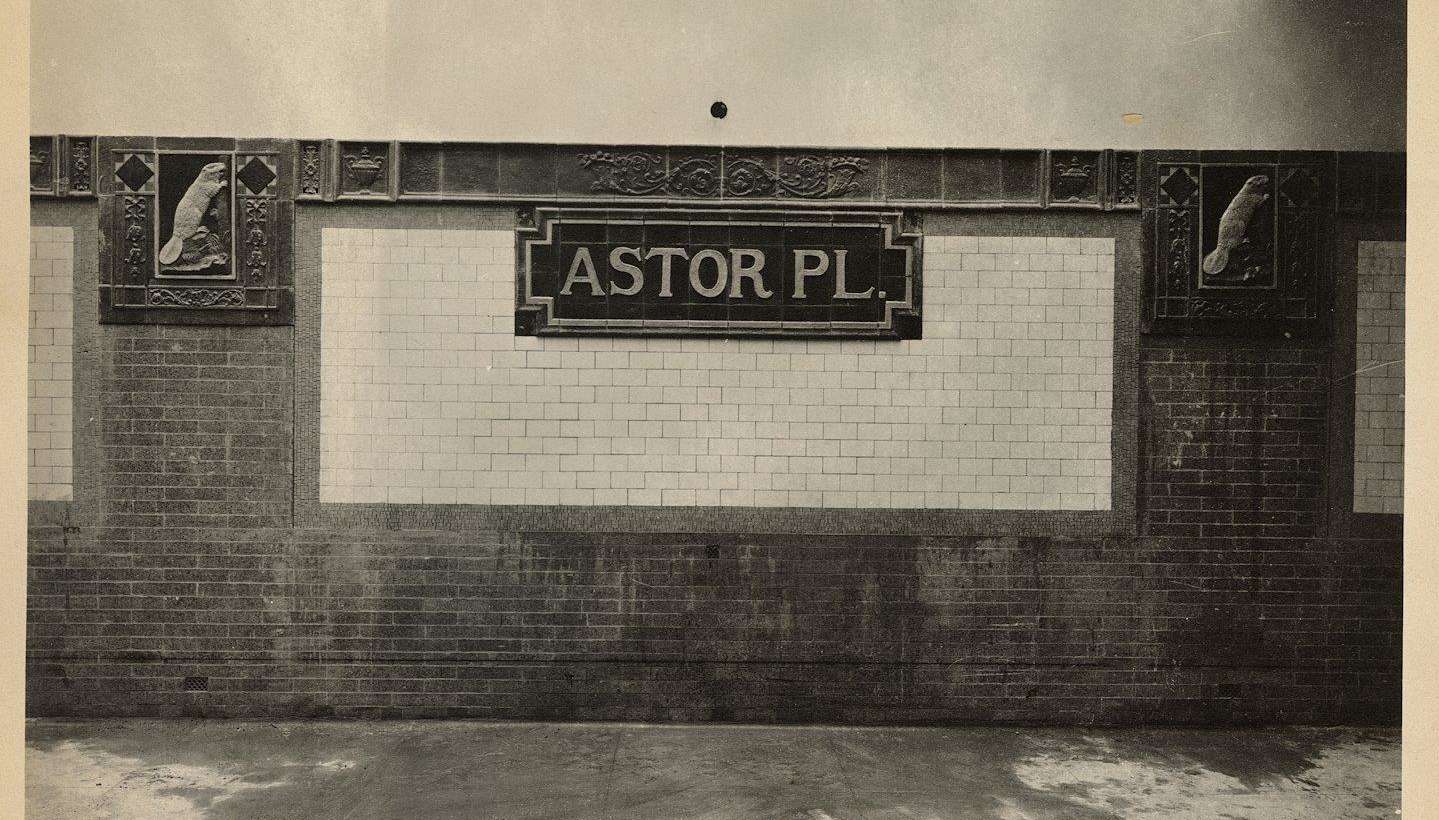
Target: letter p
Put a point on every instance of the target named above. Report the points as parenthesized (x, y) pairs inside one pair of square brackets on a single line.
[(803, 270)]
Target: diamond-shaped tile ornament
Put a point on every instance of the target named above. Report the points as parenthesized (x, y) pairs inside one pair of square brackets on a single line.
[(1179, 185), (134, 172), (1299, 187), (257, 175)]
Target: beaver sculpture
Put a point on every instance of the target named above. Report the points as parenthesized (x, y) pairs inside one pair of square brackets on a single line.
[(189, 213), (1235, 222)]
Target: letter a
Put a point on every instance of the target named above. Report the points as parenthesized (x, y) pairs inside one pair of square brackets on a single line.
[(582, 256)]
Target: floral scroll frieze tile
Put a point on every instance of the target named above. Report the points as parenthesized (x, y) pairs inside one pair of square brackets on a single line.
[(79, 166), (312, 169), (1124, 179), (43, 165), (63, 166), (798, 176)]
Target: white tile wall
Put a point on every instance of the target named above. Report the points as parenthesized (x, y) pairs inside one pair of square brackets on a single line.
[(51, 347), (1379, 379), (428, 397)]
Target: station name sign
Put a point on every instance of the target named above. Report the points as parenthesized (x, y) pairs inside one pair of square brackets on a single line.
[(675, 272)]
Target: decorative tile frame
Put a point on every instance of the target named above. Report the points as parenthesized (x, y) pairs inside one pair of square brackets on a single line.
[(891, 240), (1273, 214), (383, 171), (1364, 224), (1075, 178), (44, 162), (364, 171), (314, 178), (62, 166), (233, 268), (1122, 183), (78, 214), (1117, 521), (80, 165), (935, 179)]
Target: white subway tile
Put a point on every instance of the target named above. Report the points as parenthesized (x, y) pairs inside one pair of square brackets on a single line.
[(733, 422)]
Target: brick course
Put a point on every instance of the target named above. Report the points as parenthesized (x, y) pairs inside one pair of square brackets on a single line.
[(754, 628), (1234, 441), (196, 426)]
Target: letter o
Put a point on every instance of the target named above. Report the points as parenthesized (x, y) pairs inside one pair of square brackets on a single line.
[(722, 273)]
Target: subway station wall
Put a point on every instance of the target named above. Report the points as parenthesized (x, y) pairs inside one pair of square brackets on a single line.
[(385, 509)]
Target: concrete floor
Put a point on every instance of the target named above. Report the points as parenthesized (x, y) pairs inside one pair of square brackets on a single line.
[(176, 770)]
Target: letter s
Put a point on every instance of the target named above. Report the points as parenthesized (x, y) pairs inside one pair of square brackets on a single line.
[(637, 276)]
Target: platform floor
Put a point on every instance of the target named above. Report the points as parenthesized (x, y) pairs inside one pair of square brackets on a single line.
[(177, 770)]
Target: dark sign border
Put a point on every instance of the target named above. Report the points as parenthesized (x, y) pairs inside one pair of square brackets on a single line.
[(534, 313)]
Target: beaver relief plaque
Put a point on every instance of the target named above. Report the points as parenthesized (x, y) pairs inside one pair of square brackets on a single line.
[(1235, 241), (197, 233)]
